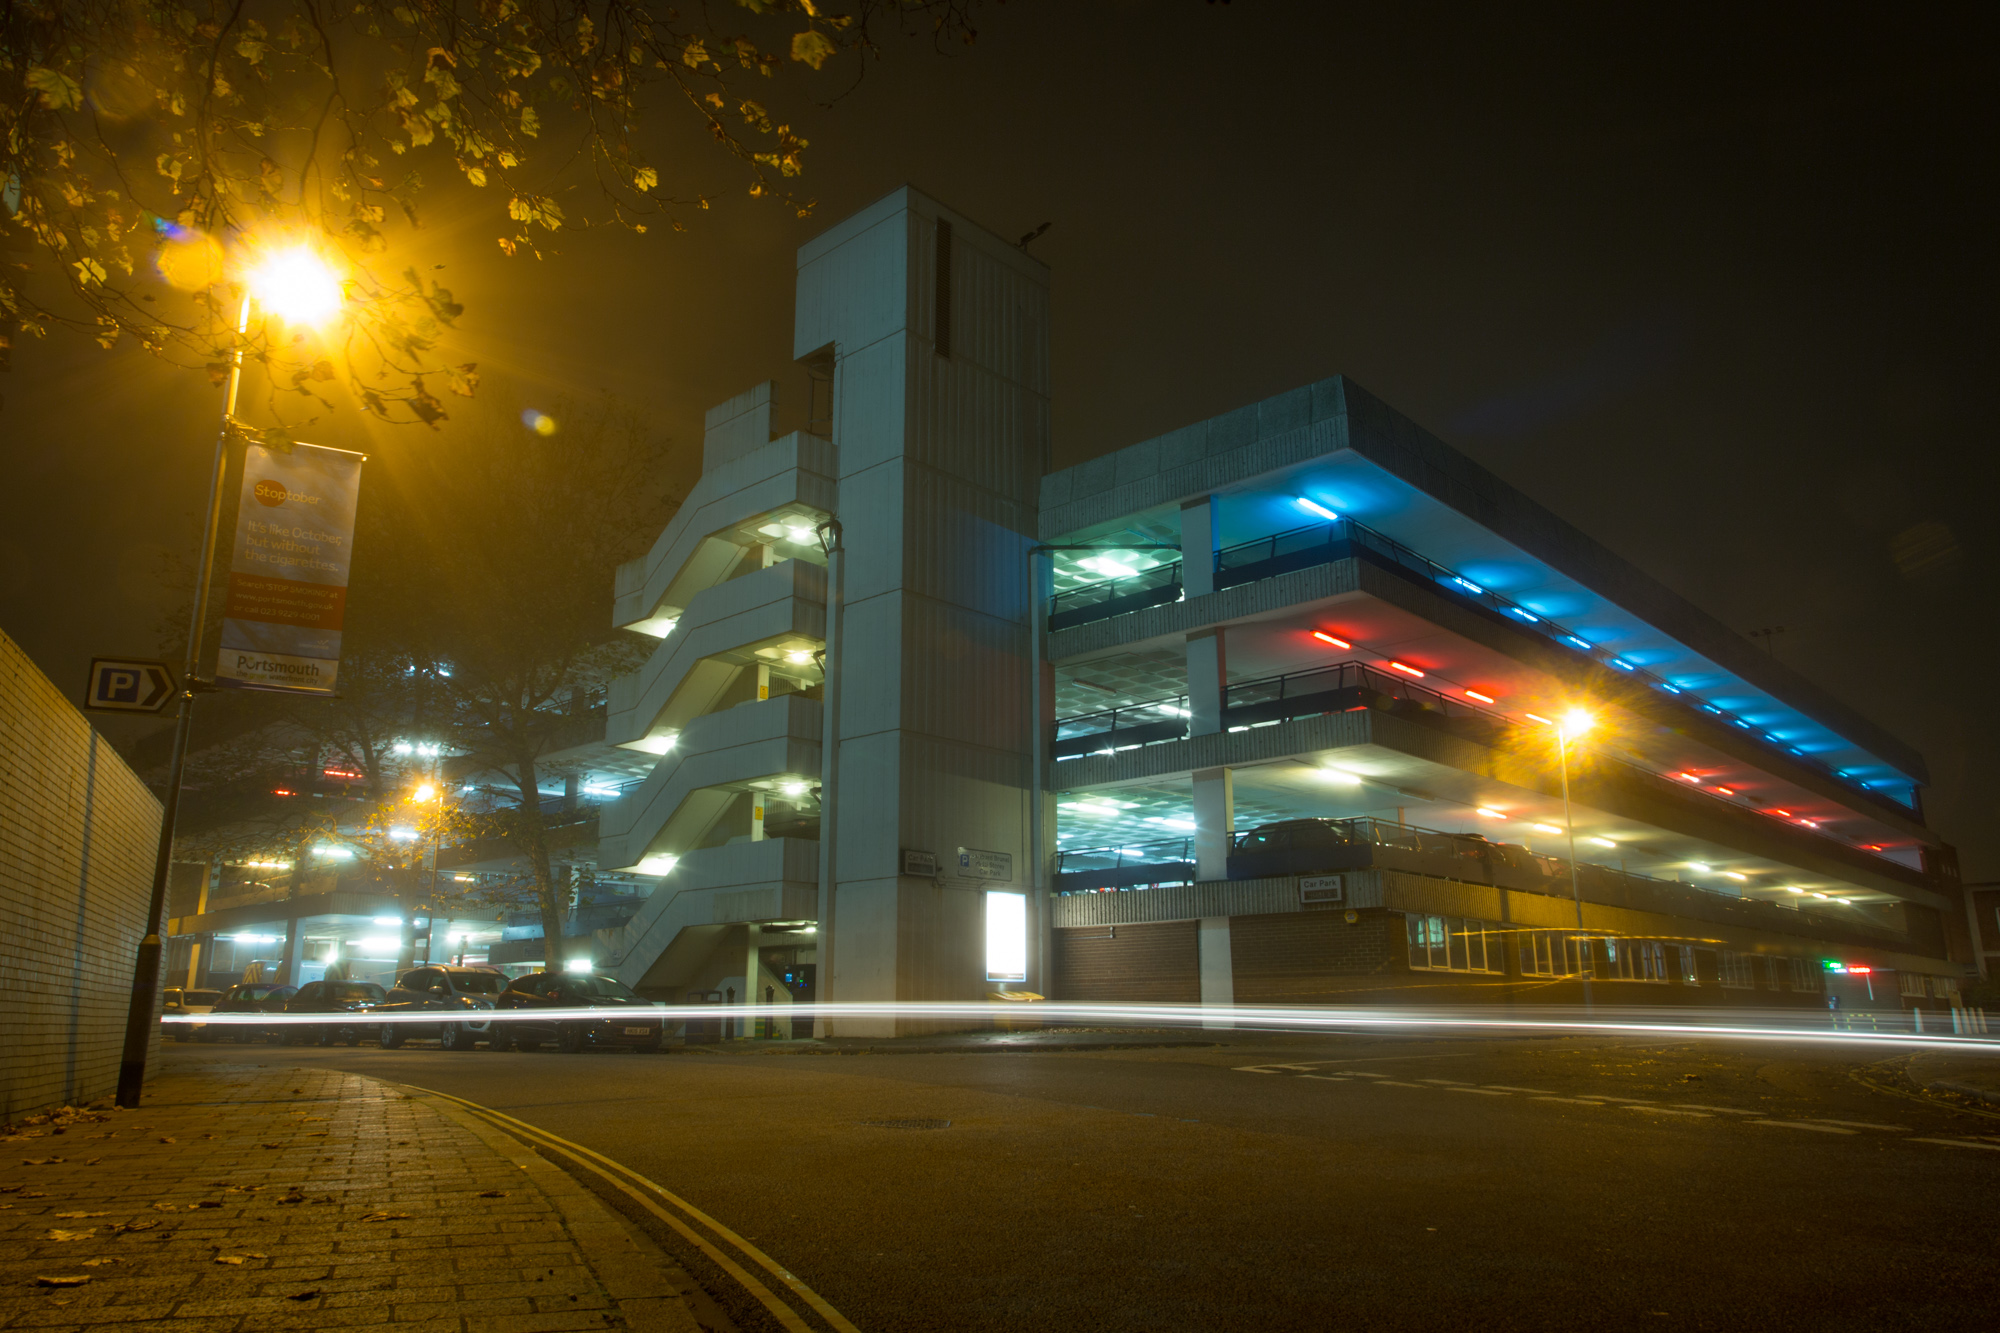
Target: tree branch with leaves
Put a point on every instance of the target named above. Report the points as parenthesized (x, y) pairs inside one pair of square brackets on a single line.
[(150, 148)]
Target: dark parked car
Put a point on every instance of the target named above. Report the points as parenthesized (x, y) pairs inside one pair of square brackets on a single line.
[(248, 997), (1291, 847), (334, 997), (577, 990), (440, 989)]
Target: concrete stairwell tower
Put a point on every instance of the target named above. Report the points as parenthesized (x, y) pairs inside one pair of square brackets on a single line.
[(937, 335)]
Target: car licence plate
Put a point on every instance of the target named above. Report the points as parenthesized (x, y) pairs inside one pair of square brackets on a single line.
[(638, 1032)]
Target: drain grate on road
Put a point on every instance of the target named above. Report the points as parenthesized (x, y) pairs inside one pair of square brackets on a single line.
[(906, 1124)]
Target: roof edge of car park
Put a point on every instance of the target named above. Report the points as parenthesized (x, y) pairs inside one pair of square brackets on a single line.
[(1333, 415)]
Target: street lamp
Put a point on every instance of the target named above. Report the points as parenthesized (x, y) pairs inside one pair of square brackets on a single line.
[(296, 283), (1574, 723)]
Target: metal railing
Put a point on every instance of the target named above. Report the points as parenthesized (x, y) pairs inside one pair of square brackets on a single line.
[(1172, 854), (1115, 597), (1125, 727), (1323, 543), (1250, 703)]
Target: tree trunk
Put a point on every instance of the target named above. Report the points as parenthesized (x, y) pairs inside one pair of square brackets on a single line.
[(547, 896)]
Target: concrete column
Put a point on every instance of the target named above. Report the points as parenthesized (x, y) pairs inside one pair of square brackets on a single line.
[(1218, 972), (1208, 676), (753, 973), (757, 816), (763, 681), (1198, 546), (212, 881), (1214, 821)]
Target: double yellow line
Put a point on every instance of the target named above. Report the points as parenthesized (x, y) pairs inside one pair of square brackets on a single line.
[(679, 1214)]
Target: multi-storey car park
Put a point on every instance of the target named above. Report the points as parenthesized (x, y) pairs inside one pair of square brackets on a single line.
[(1273, 709)]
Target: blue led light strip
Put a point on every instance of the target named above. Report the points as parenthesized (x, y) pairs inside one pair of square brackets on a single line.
[(1458, 586)]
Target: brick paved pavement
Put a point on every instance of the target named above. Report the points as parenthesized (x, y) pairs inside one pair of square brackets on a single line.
[(276, 1198)]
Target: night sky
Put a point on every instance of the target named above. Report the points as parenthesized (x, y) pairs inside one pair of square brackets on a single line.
[(1718, 289)]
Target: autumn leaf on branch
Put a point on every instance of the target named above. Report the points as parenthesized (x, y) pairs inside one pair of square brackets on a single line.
[(149, 154)]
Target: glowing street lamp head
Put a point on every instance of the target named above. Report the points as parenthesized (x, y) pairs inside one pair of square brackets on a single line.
[(297, 284), (1575, 722), (426, 792)]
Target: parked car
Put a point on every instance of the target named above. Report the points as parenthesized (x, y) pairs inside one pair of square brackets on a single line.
[(441, 989), (334, 997), (247, 997), (572, 990), (1291, 847), (177, 1002)]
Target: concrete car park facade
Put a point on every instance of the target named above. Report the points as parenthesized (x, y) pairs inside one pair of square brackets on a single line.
[(1263, 710)]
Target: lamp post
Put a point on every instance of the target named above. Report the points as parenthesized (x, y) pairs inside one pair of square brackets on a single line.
[(1574, 724), (296, 284)]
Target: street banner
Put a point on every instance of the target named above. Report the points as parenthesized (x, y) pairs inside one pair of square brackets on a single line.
[(288, 574)]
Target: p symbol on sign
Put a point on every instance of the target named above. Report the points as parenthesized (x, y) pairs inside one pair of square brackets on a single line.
[(119, 685)]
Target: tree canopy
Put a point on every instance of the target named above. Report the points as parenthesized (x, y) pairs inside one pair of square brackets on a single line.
[(150, 150)]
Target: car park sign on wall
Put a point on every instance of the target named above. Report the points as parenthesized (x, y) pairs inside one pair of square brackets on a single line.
[(123, 685)]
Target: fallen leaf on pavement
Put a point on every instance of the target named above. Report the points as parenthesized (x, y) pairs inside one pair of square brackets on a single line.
[(302, 1295), (147, 1225), (61, 1280), (56, 1233), (166, 1139), (81, 1214), (34, 1194), (229, 1258), (493, 1194), (168, 1207), (294, 1197), (42, 1161), (209, 1203), (92, 1161), (94, 1263), (270, 1145), (386, 1217)]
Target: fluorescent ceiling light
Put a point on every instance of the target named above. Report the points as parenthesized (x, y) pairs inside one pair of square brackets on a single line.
[(658, 865), (1545, 828), (1315, 507), (1340, 777), (1602, 842)]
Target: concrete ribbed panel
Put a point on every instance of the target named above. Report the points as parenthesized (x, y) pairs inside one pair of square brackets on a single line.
[(1295, 427), (1174, 620), (753, 740), (799, 468), (787, 598), (1223, 749), (715, 885), (1184, 902)]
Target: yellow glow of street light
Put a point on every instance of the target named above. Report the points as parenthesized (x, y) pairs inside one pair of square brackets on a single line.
[(425, 793), (297, 284), (1575, 722)]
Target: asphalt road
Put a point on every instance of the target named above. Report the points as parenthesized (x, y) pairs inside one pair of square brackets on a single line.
[(1275, 1182)]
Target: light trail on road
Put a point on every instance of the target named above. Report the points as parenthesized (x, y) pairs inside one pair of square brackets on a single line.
[(1768, 1025)]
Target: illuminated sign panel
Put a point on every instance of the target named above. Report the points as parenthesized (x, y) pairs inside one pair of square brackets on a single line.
[(1006, 936)]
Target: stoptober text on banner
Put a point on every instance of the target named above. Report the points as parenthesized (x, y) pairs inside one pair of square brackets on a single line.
[(288, 576)]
